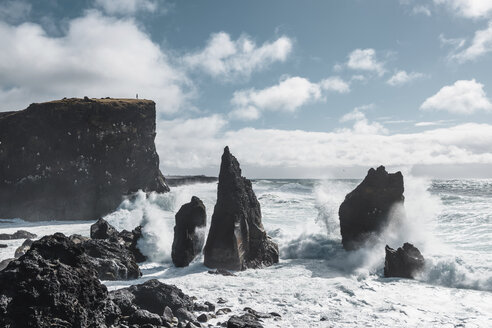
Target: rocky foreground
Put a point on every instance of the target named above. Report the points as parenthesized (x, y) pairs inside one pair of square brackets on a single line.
[(75, 159)]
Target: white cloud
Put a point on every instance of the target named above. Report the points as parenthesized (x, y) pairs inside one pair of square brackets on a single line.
[(197, 144), (365, 59), (288, 96), (402, 77), (480, 45), (14, 10), (126, 7), (468, 8), (361, 123), (456, 43), (421, 9), (98, 56), (226, 58), (463, 97)]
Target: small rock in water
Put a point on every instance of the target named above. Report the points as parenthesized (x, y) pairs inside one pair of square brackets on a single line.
[(223, 311), (222, 272), (257, 314), (404, 262), (19, 234), (3, 246), (244, 321), (220, 300)]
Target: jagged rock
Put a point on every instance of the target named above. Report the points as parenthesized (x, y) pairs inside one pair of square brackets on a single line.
[(188, 242), (4, 263), (22, 249), (222, 272), (404, 262), (366, 210), (53, 285), (244, 321), (112, 260), (19, 234), (76, 159), (103, 230), (130, 239), (237, 239), (153, 296)]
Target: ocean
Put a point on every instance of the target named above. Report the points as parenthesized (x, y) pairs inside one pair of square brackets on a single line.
[(317, 283)]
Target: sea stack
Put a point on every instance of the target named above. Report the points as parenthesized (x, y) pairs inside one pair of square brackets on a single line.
[(188, 242), (366, 210), (237, 239), (74, 159), (404, 262)]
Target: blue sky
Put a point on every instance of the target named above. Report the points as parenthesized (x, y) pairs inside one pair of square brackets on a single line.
[(295, 88)]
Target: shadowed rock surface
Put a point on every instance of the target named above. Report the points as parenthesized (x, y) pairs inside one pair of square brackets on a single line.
[(103, 230), (19, 234), (405, 262), (188, 242), (366, 210), (22, 249), (52, 285), (75, 159), (237, 239)]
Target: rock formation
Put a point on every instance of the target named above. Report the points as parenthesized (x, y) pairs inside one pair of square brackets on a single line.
[(237, 239), (404, 262), (366, 210), (19, 234), (75, 159), (22, 249), (103, 230), (188, 242)]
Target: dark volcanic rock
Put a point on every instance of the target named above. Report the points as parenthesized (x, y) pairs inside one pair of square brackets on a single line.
[(4, 263), (52, 285), (75, 159), (111, 260), (222, 272), (152, 296), (103, 230), (244, 321), (188, 242), (130, 239), (237, 239), (22, 249), (366, 210), (404, 262), (19, 234), (3, 246)]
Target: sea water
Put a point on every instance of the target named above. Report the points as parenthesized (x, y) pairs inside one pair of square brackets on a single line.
[(317, 283)]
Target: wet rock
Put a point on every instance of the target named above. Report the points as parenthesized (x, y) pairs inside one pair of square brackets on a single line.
[(223, 311), (78, 239), (4, 263), (204, 317), (153, 296), (257, 314), (103, 230), (168, 314), (237, 239), (222, 272), (220, 300), (207, 306), (141, 317), (366, 210), (53, 285), (112, 260), (244, 321), (130, 239), (405, 262), (19, 234), (22, 249), (75, 159), (184, 315), (3, 246), (188, 240)]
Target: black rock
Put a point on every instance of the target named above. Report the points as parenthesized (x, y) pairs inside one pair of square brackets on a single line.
[(366, 210), (221, 272), (244, 321), (19, 234), (404, 262), (223, 311), (22, 249), (152, 296), (141, 317), (4, 263), (103, 230), (53, 285), (237, 239), (257, 314), (130, 239), (75, 159), (188, 242), (3, 246), (111, 260)]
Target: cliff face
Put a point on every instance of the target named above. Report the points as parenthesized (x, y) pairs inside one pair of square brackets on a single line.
[(75, 158)]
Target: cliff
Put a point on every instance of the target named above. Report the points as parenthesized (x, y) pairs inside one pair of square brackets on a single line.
[(75, 159)]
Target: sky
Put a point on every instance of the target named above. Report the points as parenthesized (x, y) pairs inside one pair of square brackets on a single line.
[(297, 89)]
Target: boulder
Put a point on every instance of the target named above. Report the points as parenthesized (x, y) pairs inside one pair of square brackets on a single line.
[(4, 245), (405, 262), (237, 239), (111, 260), (75, 159), (103, 230), (53, 285), (22, 249), (366, 210), (130, 240), (188, 242), (244, 321), (19, 234), (4, 263)]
